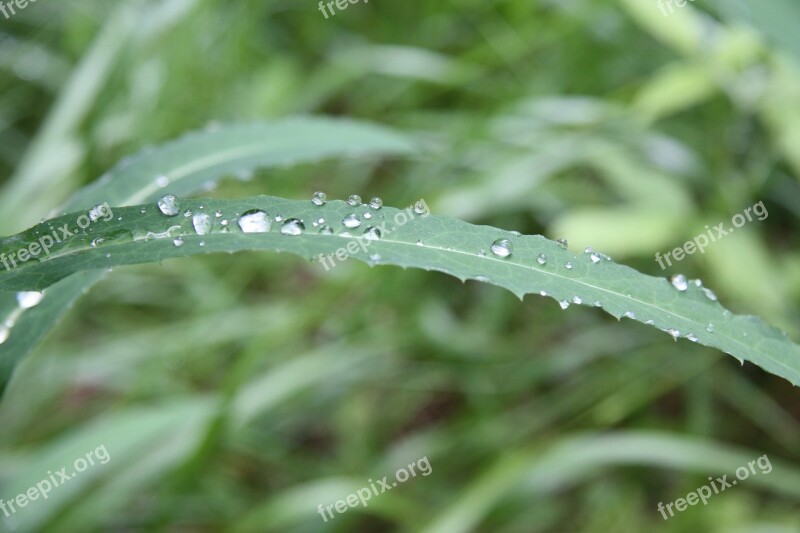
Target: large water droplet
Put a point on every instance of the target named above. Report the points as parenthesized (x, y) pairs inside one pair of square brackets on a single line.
[(255, 221), (372, 234), (376, 203), (501, 248), (293, 227), (169, 205), (679, 282), (542, 259), (202, 223), (351, 221), (319, 198), (354, 200), (28, 299)]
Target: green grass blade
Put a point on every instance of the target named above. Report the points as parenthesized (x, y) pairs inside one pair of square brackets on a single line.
[(188, 164), (143, 234)]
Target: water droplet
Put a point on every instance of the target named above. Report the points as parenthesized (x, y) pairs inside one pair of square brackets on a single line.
[(563, 243), (28, 299), (169, 205), (516, 234), (143, 210), (202, 243), (568, 266), (420, 208), (293, 227), (650, 322), (326, 230), (97, 242), (692, 337), (319, 198), (577, 300), (674, 332), (597, 303), (218, 213), (254, 221), (351, 221), (501, 248), (372, 234), (178, 242), (629, 314), (202, 223), (354, 200), (375, 258), (564, 304), (542, 259), (162, 181), (710, 328), (709, 294), (484, 279), (419, 242), (278, 218), (679, 282), (368, 215), (376, 203), (543, 293), (97, 212)]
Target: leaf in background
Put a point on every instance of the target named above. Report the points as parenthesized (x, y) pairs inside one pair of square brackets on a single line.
[(186, 165), (407, 238)]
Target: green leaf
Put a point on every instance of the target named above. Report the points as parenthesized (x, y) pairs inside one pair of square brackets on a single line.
[(189, 164), (409, 237)]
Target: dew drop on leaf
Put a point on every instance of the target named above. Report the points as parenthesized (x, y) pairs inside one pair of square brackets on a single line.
[(178, 242), (419, 208), (28, 299), (319, 198), (679, 282), (169, 205), (564, 304), (542, 259), (372, 234), (326, 230), (563, 243), (568, 266), (202, 223), (376, 203), (354, 200), (351, 221), (293, 227), (254, 221), (710, 328), (502, 248)]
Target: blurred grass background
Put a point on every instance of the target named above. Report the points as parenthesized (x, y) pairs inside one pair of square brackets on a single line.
[(236, 393)]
